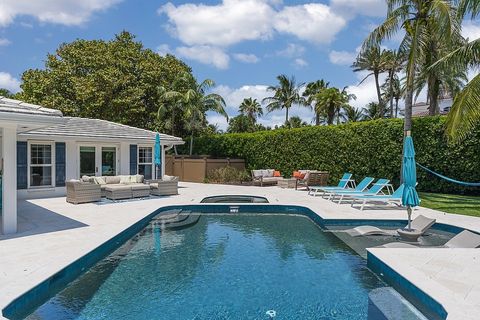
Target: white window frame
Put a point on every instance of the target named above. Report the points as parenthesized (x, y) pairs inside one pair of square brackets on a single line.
[(145, 163), (98, 156), (30, 165)]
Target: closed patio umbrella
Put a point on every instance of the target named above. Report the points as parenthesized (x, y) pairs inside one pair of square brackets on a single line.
[(158, 156), (409, 173)]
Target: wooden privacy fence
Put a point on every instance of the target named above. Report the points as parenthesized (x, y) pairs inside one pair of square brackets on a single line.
[(196, 169)]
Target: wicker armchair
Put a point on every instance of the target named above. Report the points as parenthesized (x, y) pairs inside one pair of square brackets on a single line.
[(83, 192), (313, 178), (164, 187)]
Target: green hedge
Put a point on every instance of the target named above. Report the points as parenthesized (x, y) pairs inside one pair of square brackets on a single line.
[(370, 148)]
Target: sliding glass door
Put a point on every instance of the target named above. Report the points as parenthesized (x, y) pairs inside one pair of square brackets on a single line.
[(109, 161), (97, 160), (88, 161)]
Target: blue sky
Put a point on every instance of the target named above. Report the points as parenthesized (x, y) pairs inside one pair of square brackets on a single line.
[(241, 44)]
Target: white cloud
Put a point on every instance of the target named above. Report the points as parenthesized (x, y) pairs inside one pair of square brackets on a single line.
[(205, 54), (312, 22), (4, 42), (8, 82), (372, 8), (67, 12), (234, 21), (299, 62), (365, 92), (343, 58), (247, 58), (224, 24), (471, 30), (163, 49), (292, 50)]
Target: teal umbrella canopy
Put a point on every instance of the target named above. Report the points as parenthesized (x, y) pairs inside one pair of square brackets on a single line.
[(158, 154), (409, 173)]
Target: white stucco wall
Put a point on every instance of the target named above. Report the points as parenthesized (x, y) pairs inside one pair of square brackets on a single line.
[(72, 164)]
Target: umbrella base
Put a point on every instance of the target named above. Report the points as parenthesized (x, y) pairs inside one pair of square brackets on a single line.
[(409, 235)]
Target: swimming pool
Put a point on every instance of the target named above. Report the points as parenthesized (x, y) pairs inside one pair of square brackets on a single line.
[(227, 266)]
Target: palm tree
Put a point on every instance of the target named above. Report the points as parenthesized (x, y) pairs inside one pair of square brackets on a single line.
[(374, 60), (295, 122), (392, 89), (330, 101), (372, 111), (394, 61), (415, 17), (196, 102), (286, 94), (311, 90), (251, 108), (352, 114)]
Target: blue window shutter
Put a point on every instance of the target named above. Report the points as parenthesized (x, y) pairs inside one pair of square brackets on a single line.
[(22, 165), (133, 159), (60, 164)]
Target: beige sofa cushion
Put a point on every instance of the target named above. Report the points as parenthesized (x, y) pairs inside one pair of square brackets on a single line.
[(257, 173), (112, 180), (99, 180), (139, 178)]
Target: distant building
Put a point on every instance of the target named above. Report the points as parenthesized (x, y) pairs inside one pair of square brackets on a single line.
[(420, 109)]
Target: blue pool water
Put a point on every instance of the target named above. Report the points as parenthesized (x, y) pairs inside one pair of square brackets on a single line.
[(224, 267)]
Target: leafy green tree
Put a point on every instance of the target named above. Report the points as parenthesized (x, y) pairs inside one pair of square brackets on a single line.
[(196, 102), (311, 91), (285, 95), (372, 111), (6, 93), (373, 60), (115, 80), (330, 102), (241, 123), (415, 18), (352, 114), (251, 108), (295, 122)]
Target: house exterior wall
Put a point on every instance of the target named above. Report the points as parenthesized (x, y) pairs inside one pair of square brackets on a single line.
[(72, 158)]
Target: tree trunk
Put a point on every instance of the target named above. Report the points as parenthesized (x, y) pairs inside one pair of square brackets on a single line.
[(381, 109), (330, 115), (317, 118), (286, 115), (391, 74), (396, 107), (191, 143), (433, 92)]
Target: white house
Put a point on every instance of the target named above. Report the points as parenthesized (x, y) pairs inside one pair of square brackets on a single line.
[(41, 149)]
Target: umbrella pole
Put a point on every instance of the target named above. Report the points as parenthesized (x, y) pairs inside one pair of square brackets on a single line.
[(409, 212)]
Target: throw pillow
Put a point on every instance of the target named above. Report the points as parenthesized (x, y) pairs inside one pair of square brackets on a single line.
[(99, 180), (277, 174), (296, 174), (125, 179)]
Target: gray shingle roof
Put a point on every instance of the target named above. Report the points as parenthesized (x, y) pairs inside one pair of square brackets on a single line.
[(17, 106), (99, 129)]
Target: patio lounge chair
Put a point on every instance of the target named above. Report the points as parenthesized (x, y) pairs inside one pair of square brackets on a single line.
[(421, 224), (82, 192), (362, 186), (374, 190), (342, 184), (395, 197), (166, 187), (312, 178), (465, 239)]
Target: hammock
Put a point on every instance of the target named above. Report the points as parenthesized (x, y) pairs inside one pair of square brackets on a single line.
[(463, 183)]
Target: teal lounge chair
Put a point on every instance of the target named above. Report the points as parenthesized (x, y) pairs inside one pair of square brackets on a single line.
[(362, 186), (395, 197), (343, 183), (374, 190)]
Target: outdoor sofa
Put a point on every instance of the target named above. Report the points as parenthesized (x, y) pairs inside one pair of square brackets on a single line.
[(312, 178), (266, 177), (91, 189)]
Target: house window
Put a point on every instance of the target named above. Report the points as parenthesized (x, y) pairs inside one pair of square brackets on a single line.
[(41, 165), (145, 162)]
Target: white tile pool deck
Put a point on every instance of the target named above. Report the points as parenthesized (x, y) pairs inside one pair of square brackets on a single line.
[(54, 233)]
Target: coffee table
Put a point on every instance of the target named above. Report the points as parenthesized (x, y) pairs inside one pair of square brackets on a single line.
[(287, 183)]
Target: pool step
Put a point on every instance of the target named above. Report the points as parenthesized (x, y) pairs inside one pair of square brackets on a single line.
[(189, 221), (387, 304), (171, 216)]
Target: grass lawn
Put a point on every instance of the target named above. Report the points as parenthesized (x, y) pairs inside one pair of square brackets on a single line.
[(467, 205)]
